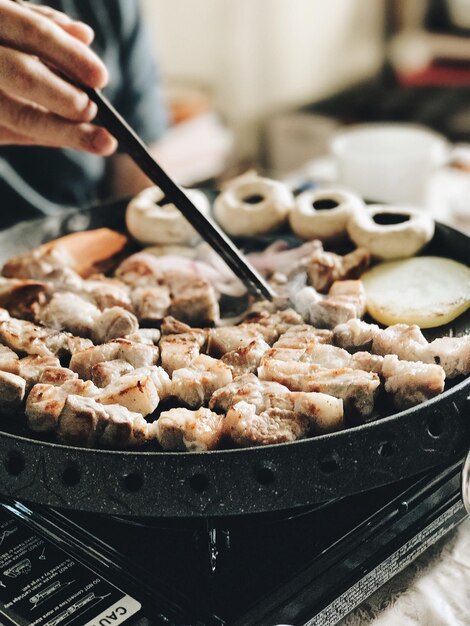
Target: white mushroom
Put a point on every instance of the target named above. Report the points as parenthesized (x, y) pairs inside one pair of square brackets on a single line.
[(151, 221), (391, 232), (324, 213), (253, 206)]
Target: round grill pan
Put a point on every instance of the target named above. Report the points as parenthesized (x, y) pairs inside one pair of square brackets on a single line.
[(231, 482)]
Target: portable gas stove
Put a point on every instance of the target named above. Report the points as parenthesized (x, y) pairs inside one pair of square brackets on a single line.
[(304, 567)]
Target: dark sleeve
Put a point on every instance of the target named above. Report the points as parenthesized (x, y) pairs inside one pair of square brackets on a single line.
[(139, 97)]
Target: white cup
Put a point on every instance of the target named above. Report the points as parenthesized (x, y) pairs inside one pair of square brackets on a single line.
[(389, 162)]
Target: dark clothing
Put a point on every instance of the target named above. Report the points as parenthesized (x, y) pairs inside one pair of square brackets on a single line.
[(35, 180)]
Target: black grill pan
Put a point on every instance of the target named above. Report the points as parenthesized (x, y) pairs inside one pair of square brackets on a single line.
[(231, 482)]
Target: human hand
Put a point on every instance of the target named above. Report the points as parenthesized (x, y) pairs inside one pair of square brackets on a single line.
[(37, 106)]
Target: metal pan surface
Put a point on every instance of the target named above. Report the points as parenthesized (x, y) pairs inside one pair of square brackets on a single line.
[(236, 481)]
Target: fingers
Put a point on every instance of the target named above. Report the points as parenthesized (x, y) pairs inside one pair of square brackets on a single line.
[(26, 76), (79, 30), (44, 128), (33, 32)]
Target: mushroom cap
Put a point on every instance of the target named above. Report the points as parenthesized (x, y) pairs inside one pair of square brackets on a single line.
[(152, 223), (324, 213), (391, 232), (253, 206)]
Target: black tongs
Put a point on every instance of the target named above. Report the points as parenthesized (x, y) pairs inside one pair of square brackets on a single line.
[(131, 143)]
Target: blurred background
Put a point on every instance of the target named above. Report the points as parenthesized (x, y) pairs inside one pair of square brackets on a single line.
[(267, 83)]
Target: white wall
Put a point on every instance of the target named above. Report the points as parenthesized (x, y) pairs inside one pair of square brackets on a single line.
[(257, 56)]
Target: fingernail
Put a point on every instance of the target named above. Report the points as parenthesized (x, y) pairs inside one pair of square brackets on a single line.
[(89, 32), (91, 111), (103, 143)]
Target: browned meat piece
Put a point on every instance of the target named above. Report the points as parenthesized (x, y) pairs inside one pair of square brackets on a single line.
[(12, 392), (355, 387), (31, 368), (149, 336), (345, 301), (114, 323), (355, 335), (246, 360), (57, 376), (282, 321), (324, 412), (406, 341), (182, 429), (181, 349), (108, 372), (151, 303), (68, 311), (19, 295), (136, 354), (249, 388), (27, 338), (452, 353), (195, 303), (303, 335), (45, 402), (140, 391), (81, 421), (325, 268), (195, 384), (38, 263), (8, 360), (172, 326), (411, 382), (123, 428), (230, 338), (247, 428), (106, 292)]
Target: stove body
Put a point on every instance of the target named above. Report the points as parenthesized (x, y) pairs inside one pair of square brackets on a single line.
[(302, 567)]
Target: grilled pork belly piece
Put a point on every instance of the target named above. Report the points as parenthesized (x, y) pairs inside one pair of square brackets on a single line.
[(196, 303), (183, 429), (151, 303), (31, 368), (81, 421), (108, 372), (19, 295), (355, 335), (12, 392), (85, 422), (249, 388), (324, 413), (411, 382), (45, 402), (345, 301), (230, 338), (8, 360), (123, 428), (136, 354), (195, 384), (68, 311), (54, 375), (246, 427), (303, 335), (149, 336), (408, 343), (246, 360), (193, 299), (356, 388), (180, 345), (325, 268), (26, 338), (140, 391)]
